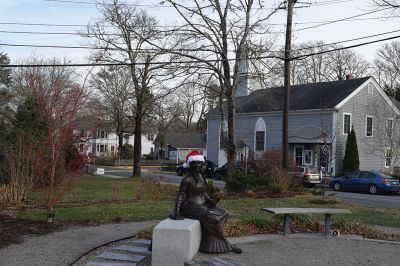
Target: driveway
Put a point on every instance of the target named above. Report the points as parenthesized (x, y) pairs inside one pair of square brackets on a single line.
[(386, 201)]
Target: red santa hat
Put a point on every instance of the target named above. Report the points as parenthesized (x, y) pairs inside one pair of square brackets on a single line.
[(192, 156)]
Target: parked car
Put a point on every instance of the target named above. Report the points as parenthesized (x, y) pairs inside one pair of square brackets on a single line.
[(369, 181), (208, 169), (222, 172), (311, 175)]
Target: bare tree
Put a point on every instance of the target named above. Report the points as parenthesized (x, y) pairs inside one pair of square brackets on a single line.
[(387, 3), (386, 134), (59, 100), (387, 68), (343, 62), (116, 91), (318, 65), (211, 31), (124, 32)]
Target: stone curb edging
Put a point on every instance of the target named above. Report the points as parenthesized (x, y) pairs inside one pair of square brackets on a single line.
[(263, 237)]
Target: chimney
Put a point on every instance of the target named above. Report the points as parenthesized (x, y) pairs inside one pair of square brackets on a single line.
[(243, 82), (349, 76)]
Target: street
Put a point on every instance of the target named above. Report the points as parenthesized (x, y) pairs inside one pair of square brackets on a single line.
[(386, 201), (167, 177)]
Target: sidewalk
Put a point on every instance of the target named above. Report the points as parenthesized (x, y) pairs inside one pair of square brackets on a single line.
[(63, 248)]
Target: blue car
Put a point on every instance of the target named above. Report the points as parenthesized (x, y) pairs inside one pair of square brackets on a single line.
[(368, 181)]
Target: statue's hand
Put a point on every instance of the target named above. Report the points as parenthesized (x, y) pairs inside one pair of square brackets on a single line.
[(176, 216), (211, 202)]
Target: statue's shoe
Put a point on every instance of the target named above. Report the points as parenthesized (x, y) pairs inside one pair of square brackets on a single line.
[(237, 250)]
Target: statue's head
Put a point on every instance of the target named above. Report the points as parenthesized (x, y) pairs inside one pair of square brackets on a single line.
[(195, 161)]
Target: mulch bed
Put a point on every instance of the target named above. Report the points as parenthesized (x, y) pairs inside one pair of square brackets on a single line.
[(13, 229)]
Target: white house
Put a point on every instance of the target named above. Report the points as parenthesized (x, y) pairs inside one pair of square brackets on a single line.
[(104, 143)]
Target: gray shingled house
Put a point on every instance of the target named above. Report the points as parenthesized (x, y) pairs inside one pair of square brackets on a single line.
[(175, 146), (321, 116)]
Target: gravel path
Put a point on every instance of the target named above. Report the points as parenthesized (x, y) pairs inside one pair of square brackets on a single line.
[(63, 248)]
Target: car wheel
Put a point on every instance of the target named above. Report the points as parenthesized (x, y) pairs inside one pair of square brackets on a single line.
[(337, 186), (373, 189)]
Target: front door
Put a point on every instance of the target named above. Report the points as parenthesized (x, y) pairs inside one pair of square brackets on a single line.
[(298, 155)]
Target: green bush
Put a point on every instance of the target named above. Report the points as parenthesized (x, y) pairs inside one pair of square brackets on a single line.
[(239, 182), (351, 161), (213, 192)]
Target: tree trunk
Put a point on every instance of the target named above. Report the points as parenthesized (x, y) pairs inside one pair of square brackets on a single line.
[(231, 132), (50, 214), (120, 142), (137, 147)]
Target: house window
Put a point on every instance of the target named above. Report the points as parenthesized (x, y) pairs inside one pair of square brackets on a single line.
[(389, 128), (298, 155), (370, 88), (80, 147), (346, 123), (102, 134), (82, 134), (368, 126), (260, 140), (150, 137), (101, 148), (388, 157)]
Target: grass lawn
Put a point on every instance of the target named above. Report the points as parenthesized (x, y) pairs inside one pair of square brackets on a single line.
[(92, 188), (138, 200)]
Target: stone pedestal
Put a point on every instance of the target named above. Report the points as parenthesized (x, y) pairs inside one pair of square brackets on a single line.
[(175, 241)]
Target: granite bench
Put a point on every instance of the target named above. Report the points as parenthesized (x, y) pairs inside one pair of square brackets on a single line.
[(290, 211), (175, 242)]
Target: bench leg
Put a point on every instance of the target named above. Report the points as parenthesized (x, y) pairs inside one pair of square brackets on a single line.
[(327, 224), (286, 220)]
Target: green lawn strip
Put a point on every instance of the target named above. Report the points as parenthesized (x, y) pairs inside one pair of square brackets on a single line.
[(89, 188), (241, 210), (138, 211)]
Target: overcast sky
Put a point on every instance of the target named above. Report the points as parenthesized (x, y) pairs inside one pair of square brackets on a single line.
[(50, 12)]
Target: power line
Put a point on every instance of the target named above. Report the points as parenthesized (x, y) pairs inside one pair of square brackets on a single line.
[(172, 26), (189, 50), (300, 57), (343, 19)]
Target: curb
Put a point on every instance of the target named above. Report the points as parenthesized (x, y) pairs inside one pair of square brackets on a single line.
[(271, 237)]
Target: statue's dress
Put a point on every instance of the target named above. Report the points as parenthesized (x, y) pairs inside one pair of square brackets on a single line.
[(195, 204)]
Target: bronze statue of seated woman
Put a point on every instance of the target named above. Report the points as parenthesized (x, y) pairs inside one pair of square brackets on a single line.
[(193, 202)]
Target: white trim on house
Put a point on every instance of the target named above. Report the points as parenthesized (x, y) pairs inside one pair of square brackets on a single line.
[(366, 126), (351, 123), (377, 87), (334, 141)]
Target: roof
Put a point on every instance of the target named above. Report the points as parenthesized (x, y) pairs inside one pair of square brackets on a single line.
[(184, 140), (320, 95)]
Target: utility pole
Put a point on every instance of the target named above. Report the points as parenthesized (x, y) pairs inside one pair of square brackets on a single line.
[(285, 120)]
